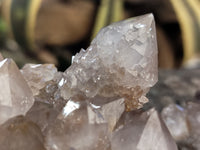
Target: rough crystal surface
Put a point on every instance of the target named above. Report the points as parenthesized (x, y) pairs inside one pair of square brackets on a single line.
[(37, 75), (15, 95), (120, 62)]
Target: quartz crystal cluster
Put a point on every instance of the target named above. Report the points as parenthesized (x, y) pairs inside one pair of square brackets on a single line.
[(120, 62), (94, 104)]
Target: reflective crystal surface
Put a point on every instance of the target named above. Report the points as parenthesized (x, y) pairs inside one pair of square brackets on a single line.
[(149, 133), (174, 117), (15, 95), (83, 126), (120, 62), (37, 75)]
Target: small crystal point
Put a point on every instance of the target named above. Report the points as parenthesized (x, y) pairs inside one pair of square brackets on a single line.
[(156, 135), (16, 97), (120, 62), (142, 131), (108, 113)]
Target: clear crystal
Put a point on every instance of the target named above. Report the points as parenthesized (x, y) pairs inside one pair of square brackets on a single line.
[(42, 114), (16, 97), (73, 130), (37, 76), (120, 62)]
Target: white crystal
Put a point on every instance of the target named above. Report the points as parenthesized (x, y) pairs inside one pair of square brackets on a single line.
[(120, 62), (15, 95)]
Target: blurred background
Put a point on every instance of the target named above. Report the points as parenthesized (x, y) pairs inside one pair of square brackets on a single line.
[(51, 31)]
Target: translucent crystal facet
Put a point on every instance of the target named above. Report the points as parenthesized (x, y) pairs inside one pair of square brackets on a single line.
[(38, 75), (174, 117), (15, 95), (120, 62), (73, 130), (143, 131)]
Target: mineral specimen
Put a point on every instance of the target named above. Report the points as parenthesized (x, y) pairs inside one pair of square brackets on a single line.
[(120, 62), (94, 104), (15, 95)]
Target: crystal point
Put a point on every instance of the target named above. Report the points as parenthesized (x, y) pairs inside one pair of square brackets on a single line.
[(16, 97), (120, 62), (142, 131)]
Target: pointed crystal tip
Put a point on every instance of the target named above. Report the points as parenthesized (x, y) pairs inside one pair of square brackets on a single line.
[(16, 97), (120, 62)]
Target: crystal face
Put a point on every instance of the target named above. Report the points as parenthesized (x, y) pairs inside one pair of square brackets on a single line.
[(38, 75), (15, 95), (183, 123), (175, 118), (146, 137), (120, 62)]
